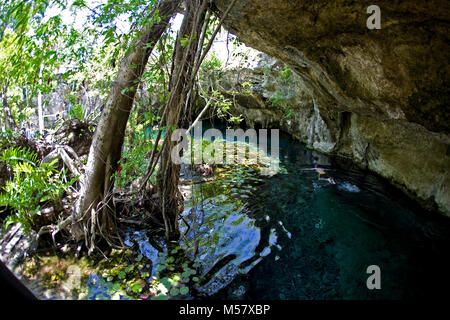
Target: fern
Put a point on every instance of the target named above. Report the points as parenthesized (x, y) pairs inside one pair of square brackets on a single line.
[(33, 184), (14, 155), (77, 112)]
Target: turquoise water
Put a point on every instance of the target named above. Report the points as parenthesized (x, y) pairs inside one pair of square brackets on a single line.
[(295, 236)]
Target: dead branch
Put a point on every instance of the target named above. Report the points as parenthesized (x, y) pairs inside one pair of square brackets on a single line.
[(74, 164)]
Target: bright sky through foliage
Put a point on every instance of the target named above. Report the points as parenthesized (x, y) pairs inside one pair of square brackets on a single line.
[(79, 18)]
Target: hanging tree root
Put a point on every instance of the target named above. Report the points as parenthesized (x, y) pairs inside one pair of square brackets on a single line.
[(88, 228), (91, 227)]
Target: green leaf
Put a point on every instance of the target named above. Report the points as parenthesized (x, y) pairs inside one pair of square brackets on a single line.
[(160, 267), (184, 42), (137, 288), (129, 269), (174, 291), (116, 287), (165, 282), (184, 290)]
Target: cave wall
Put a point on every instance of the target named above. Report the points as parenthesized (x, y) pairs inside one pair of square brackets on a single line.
[(378, 96)]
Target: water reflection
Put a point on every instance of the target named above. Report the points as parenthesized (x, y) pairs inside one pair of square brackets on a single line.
[(226, 240), (315, 238)]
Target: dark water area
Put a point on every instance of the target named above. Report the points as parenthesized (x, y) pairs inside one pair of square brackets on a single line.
[(301, 234), (297, 236)]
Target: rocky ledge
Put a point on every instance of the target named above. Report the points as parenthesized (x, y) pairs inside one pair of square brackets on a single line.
[(377, 96)]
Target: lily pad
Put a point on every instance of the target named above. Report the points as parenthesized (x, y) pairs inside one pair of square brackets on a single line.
[(116, 287), (184, 290), (136, 288), (174, 291)]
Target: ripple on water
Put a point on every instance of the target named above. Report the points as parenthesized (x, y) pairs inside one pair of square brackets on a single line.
[(146, 249), (227, 241)]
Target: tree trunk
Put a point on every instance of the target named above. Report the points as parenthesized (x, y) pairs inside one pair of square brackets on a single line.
[(9, 119), (184, 58), (94, 211), (40, 111)]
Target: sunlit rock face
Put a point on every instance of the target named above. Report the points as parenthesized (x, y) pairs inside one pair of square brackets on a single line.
[(378, 96)]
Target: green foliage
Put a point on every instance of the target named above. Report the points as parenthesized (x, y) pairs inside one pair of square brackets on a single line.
[(128, 274), (222, 107), (17, 69), (77, 112), (6, 137), (124, 273), (280, 99), (137, 148), (185, 41), (286, 74), (31, 51), (173, 276), (33, 184), (211, 66), (210, 71), (35, 42), (237, 180), (198, 148)]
